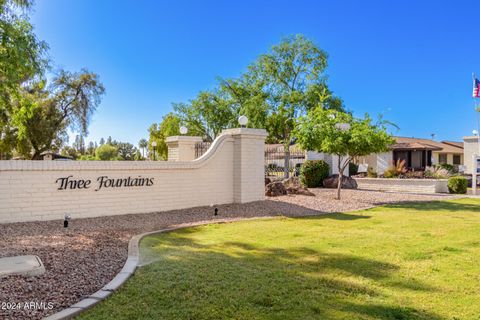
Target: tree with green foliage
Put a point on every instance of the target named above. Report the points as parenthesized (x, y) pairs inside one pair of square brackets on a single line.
[(206, 115), (79, 144), (213, 111), (91, 148), (142, 145), (43, 115), (106, 152), (246, 96), (170, 126), (138, 156), (22, 59), (32, 115), (294, 81), (87, 157), (126, 151), (22, 55), (343, 135), (280, 86)]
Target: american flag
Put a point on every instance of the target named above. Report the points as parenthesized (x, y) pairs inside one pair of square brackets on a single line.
[(476, 88)]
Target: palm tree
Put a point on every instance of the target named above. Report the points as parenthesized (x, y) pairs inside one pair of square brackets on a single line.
[(143, 144)]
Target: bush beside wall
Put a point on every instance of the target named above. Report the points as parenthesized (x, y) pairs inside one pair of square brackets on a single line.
[(457, 185), (313, 172)]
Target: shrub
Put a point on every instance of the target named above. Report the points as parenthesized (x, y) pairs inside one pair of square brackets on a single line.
[(371, 173), (449, 167), (457, 184), (87, 157), (437, 173), (106, 152), (390, 173), (313, 172), (352, 168), (400, 167), (415, 175), (397, 170)]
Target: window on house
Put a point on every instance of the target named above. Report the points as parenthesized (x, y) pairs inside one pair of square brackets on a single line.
[(457, 159), (442, 158)]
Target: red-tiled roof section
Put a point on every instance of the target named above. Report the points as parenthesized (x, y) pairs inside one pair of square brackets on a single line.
[(428, 144)]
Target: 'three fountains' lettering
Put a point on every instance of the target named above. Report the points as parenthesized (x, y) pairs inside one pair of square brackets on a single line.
[(103, 182)]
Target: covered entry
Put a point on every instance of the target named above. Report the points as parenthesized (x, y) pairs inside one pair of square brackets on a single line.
[(417, 155)]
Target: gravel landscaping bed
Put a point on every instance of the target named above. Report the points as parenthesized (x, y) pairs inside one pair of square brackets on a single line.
[(83, 258)]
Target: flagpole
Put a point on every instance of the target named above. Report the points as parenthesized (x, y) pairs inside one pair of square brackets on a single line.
[(474, 169), (477, 111)]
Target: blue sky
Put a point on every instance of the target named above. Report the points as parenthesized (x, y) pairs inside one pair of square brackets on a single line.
[(410, 60)]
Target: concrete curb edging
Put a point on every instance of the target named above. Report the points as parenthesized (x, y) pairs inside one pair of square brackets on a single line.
[(129, 268)]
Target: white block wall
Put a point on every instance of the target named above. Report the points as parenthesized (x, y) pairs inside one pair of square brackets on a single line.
[(28, 191), (404, 185), (331, 159), (182, 148), (379, 162)]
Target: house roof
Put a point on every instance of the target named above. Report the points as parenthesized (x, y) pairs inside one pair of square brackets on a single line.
[(404, 143), (454, 143), (55, 155)]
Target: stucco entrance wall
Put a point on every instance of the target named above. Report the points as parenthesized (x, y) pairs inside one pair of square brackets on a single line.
[(232, 170)]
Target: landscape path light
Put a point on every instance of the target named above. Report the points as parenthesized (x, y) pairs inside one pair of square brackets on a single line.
[(243, 120), (215, 210), (154, 145), (66, 218)]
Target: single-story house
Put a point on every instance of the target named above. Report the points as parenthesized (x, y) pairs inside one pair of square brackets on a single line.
[(418, 153)]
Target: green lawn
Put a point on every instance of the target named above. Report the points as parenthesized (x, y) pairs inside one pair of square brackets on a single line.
[(409, 261)]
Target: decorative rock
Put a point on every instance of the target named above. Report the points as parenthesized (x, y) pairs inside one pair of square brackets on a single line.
[(347, 182), (291, 185), (300, 190), (275, 189), (294, 186), (292, 182)]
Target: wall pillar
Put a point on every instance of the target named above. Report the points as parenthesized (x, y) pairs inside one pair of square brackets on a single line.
[(248, 164), (181, 148), (471, 146), (475, 161)]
